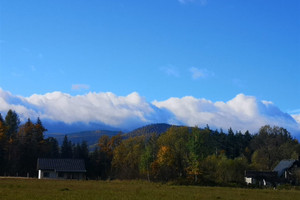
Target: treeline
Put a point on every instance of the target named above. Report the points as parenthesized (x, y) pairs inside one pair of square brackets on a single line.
[(195, 156), (22, 144), (181, 154)]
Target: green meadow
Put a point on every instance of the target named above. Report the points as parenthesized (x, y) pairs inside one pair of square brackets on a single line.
[(19, 189)]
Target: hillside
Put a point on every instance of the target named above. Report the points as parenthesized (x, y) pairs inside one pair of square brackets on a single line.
[(149, 129), (91, 137)]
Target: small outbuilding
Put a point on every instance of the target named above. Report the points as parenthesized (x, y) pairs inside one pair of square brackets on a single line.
[(262, 178), (286, 171), (61, 168)]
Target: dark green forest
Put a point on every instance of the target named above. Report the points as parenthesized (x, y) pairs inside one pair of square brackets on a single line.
[(184, 155)]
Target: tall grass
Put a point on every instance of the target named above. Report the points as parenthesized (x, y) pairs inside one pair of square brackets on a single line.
[(26, 189)]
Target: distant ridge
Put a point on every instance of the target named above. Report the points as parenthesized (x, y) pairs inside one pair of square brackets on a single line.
[(149, 129), (91, 137)]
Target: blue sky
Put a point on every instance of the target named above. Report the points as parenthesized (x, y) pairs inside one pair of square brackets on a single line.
[(210, 49)]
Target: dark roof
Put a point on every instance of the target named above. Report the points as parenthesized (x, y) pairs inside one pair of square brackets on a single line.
[(283, 165), (61, 165)]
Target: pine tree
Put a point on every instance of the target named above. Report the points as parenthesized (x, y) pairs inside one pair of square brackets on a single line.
[(66, 148), (52, 148), (12, 122), (3, 144), (39, 131), (1, 118)]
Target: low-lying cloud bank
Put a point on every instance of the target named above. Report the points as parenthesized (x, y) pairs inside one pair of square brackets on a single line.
[(128, 112)]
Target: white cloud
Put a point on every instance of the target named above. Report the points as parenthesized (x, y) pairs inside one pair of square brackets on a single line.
[(9, 101), (200, 73), (170, 71), (80, 87), (297, 117), (185, 1), (196, 73), (241, 113), (106, 108), (202, 2), (93, 107)]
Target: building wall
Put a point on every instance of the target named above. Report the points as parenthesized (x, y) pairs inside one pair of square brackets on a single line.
[(72, 175), (249, 180), (44, 174)]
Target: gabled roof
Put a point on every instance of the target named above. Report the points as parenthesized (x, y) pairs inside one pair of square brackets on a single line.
[(61, 165), (283, 165)]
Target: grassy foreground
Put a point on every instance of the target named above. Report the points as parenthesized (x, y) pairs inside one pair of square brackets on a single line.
[(88, 190)]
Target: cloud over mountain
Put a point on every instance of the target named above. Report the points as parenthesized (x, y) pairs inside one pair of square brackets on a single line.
[(296, 117), (241, 113), (127, 112)]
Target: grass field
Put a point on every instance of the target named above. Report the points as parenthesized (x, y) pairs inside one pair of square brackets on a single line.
[(26, 189)]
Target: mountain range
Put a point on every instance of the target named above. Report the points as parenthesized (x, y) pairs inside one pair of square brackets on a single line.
[(92, 137)]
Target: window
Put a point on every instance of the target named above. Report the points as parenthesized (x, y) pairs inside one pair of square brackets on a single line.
[(60, 174), (46, 174)]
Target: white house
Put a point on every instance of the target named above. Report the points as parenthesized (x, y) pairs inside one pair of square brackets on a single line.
[(61, 168)]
